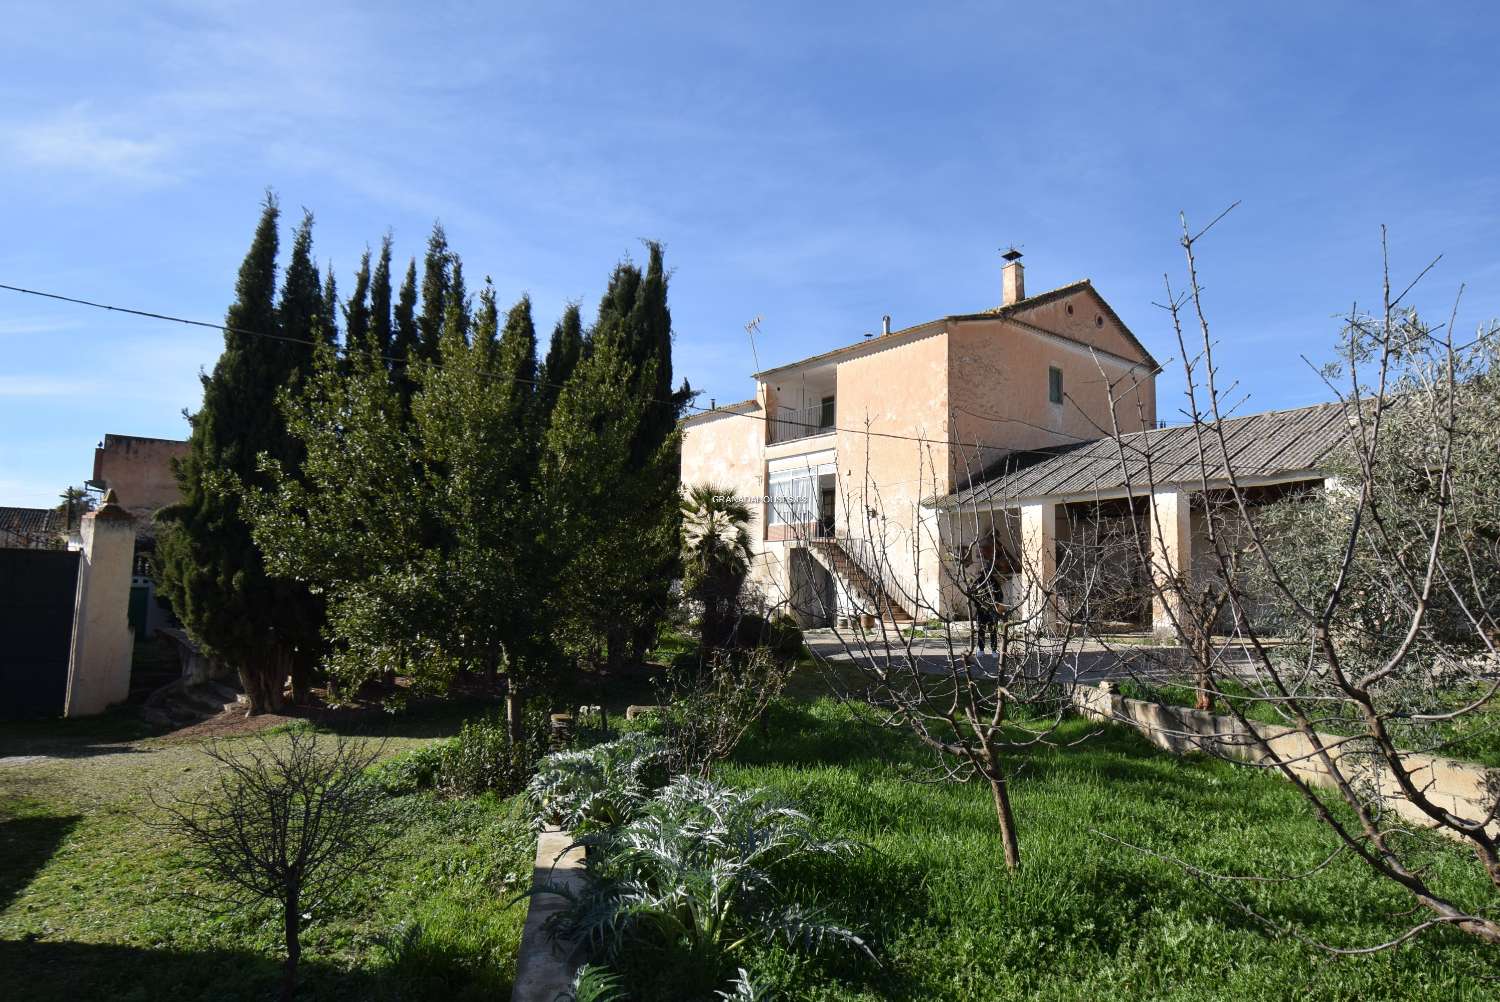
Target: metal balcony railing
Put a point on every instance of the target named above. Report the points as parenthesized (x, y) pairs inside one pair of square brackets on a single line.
[(802, 422)]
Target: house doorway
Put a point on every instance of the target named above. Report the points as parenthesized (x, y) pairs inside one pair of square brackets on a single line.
[(826, 513)]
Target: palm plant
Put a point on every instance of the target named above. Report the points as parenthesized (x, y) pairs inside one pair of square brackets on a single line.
[(716, 556)]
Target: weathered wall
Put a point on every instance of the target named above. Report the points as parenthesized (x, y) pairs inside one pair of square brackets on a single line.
[(729, 451), (99, 659), (139, 471), (902, 391), (1461, 788), (999, 393)]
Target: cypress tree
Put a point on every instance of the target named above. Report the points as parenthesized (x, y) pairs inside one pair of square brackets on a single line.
[(207, 564), (456, 313), (357, 311), (436, 275), (612, 589), (563, 353), (404, 336), (380, 301), (328, 325), (515, 365), (301, 311), (487, 323)]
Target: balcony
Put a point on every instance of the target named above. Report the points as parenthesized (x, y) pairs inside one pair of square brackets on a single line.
[(792, 423)]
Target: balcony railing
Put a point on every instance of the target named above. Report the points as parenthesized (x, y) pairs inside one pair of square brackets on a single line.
[(792, 423)]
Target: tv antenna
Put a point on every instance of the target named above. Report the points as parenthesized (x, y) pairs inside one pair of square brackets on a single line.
[(751, 329)]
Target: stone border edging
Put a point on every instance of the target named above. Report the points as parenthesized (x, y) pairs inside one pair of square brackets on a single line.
[(1464, 789), (544, 968)]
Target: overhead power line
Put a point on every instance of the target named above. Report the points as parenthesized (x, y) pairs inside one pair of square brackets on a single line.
[(396, 360)]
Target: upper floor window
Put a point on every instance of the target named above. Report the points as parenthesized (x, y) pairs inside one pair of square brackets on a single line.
[(1054, 385)]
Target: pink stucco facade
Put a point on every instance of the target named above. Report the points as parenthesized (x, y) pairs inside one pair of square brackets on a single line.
[(919, 412)]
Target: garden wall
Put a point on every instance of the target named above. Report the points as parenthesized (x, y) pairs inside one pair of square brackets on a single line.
[(1464, 789)]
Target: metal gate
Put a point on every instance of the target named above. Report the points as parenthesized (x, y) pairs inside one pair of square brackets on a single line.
[(37, 591)]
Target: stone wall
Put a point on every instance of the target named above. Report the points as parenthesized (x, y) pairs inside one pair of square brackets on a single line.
[(1464, 789)]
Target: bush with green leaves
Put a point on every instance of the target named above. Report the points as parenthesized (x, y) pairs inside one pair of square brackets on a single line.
[(598, 788), (410, 772), (780, 634), (483, 758), (679, 891), (709, 708)]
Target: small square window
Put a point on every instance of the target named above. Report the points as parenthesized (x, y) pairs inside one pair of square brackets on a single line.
[(1054, 385)]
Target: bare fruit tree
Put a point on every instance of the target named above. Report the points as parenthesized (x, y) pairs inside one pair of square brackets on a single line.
[(1363, 614), (978, 689), (287, 820)]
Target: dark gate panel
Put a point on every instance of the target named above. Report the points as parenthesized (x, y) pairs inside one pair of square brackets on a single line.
[(37, 589)]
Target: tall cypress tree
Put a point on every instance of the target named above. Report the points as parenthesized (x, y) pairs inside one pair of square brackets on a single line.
[(456, 313), (207, 564), (612, 589), (357, 311), (380, 300), (328, 327), (563, 353), (404, 336), (436, 276)]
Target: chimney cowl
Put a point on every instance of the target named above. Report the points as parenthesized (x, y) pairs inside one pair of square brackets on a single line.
[(1012, 279), (885, 324)]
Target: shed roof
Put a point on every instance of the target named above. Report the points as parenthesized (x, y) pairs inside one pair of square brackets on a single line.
[(1257, 445)]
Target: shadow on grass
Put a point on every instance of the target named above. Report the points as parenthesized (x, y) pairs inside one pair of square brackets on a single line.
[(26, 843), (107, 734), (70, 972)]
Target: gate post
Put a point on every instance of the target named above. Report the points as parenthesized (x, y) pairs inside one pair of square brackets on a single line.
[(99, 665)]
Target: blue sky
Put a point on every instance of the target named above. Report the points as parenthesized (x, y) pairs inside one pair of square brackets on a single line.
[(815, 165)]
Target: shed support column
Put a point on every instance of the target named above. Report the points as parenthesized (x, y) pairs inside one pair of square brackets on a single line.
[(99, 664), (1171, 546), (1039, 565)]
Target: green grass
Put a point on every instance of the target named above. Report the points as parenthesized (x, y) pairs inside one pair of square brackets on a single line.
[(1086, 917), (92, 902)]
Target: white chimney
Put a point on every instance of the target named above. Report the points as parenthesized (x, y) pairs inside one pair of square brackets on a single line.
[(1012, 278), (885, 324)]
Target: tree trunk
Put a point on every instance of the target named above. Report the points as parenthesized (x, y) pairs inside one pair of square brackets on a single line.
[(262, 678), (293, 927), (614, 649), (302, 668), (1007, 823), (515, 710)]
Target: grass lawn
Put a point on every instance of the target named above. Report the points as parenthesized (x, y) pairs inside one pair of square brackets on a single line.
[(91, 902), (1085, 918)]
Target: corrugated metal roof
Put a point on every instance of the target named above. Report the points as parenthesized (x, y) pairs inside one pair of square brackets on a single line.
[(1257, 445)]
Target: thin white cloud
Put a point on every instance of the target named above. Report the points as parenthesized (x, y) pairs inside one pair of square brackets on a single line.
[(75, 139), (45, 386)]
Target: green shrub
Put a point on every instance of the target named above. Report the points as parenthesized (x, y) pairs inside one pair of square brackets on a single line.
[(781, 635), (410, 772), (482, 758)]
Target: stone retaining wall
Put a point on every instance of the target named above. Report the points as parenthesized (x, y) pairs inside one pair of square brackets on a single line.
[(1464, 789), (544, 968)]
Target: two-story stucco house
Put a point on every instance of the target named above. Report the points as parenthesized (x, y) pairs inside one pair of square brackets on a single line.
[(843, 447)]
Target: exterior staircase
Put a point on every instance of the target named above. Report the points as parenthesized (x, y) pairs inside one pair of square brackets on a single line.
[(837, 559)]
